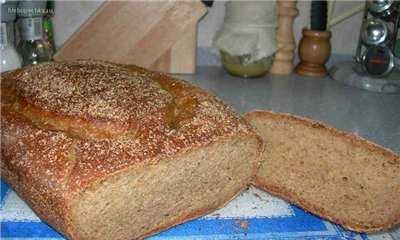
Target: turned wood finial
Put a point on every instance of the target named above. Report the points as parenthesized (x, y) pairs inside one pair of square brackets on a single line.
[(283, 62)]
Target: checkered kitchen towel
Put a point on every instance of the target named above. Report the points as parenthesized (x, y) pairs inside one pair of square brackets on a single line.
[(252, 215)]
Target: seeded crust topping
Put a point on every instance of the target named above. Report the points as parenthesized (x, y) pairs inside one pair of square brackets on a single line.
[(70, 118), (95, 90)]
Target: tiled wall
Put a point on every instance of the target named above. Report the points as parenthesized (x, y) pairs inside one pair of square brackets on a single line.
[(71, 14)]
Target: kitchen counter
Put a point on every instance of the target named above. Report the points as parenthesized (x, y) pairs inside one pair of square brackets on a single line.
[(255, 214), (375, 116)]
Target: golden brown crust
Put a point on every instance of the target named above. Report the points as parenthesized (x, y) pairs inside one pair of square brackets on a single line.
[(303, 203), (64, 129)]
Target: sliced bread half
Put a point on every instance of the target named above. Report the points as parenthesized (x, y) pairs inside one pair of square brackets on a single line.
[(336, 175)]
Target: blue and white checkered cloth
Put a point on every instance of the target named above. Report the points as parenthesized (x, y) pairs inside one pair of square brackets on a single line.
[(252, 215)]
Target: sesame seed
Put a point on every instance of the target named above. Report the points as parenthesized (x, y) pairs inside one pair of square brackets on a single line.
[(165, 116)]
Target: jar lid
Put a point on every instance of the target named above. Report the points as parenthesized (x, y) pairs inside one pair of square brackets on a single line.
[(374, 31), (378, 61), (379, 6)]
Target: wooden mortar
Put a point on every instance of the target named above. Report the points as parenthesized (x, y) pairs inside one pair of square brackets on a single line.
[(314, 52)]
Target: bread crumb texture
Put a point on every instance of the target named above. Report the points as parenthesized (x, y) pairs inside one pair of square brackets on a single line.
[(336, 175)]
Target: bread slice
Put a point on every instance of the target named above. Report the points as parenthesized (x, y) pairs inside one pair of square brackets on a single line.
[(336, 175)]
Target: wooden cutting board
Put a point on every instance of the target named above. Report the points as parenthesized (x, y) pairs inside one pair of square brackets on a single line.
[(157, 35)]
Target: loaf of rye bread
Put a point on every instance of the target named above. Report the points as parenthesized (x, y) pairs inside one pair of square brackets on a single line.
[(336, 175), (106, 151)]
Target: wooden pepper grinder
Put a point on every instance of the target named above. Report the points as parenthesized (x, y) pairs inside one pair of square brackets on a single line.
[(283, 61), (315, 47)]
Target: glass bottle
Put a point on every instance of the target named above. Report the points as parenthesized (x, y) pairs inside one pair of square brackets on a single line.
[(48, 25), (32, 47), (10, 58)]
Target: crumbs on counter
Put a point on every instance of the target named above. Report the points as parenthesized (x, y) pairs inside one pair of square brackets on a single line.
[(257, 195), (244, 224)]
